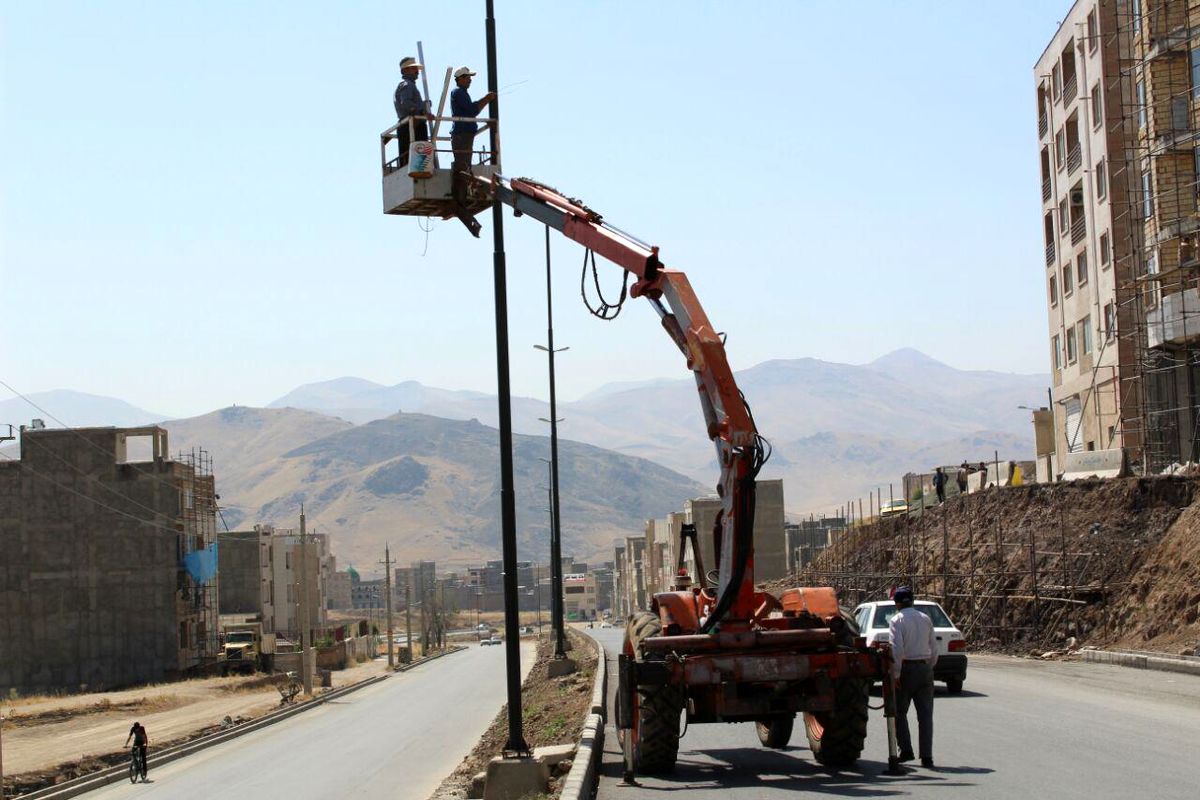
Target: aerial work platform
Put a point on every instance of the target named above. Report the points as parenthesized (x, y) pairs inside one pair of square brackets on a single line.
[(420, 185)]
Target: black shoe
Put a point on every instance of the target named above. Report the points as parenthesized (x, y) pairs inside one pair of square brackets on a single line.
[(927, 762), (909, 756), (475, 228)]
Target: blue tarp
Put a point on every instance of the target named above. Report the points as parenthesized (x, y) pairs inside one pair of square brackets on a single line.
[(202, 564)]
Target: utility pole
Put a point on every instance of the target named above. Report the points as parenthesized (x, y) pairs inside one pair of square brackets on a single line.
[(516, 744), (556, 580), (387, 587), (424, 620), (305, 633), (412, 654)]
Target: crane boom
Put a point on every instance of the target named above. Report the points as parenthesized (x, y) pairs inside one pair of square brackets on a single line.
[(730, 425)]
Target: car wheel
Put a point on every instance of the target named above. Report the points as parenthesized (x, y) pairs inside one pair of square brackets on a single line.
[(954, 685)]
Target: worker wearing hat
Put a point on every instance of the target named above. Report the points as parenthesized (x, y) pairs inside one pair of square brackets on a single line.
[(462, 141), (408, 103), (914, 652)]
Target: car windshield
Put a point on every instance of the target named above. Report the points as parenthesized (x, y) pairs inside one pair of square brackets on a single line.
[(884, 614), (240, 637)]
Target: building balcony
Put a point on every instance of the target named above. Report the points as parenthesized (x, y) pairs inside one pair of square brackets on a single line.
[(1050, 253), (1045, 189), (1175, 320), (1078, 229), (1070, 89), (1043, 126), (1074, 159)]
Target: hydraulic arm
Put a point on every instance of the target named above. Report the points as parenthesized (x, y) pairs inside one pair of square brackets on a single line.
[(740, 450)]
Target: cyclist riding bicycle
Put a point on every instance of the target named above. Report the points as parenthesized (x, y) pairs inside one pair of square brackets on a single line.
[(140, 741)]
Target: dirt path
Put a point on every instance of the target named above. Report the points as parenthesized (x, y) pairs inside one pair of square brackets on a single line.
[(47, 732)]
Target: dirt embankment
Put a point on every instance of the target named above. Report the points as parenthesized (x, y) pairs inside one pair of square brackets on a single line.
[(553, 710), (1114, 563)]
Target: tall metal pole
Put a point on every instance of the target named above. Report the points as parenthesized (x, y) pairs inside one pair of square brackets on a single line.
[(387, 587), (508, 510), (305, 633), (556, 577), (412, 653)]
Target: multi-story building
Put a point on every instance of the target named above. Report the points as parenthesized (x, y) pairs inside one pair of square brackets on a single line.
[(579, 596), (341, 595), (286, 564), (1117, 91), (110, 573)]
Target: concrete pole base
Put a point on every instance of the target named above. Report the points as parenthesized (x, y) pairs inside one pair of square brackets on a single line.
[(558, 667), (514, 778)]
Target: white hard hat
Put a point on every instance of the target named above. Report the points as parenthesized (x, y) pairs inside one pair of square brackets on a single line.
[(461, 71)]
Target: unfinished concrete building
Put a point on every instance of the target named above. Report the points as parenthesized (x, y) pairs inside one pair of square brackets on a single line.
[(109, 573)]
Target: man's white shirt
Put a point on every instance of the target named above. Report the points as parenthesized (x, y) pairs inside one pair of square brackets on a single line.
[(912, 639)]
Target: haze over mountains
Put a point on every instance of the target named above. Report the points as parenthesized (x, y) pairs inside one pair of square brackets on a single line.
[(426, 478)]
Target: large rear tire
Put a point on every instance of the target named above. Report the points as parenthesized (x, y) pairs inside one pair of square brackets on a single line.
[(836, 737), (775, 733), (656, 716)]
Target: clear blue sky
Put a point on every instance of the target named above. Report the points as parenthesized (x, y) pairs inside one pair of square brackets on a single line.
[(190, 211)]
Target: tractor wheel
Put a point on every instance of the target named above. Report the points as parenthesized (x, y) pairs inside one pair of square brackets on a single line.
[(775, 733), (836, 737), (656, 712)]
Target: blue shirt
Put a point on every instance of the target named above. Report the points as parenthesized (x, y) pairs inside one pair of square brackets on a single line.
[(461, 105), (408, 99)]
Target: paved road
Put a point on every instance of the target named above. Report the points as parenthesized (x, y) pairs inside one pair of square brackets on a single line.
[(1020, 729), (398, 738)]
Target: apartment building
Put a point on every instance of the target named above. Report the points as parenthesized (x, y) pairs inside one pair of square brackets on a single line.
[(1117, 91), (1081, 141)]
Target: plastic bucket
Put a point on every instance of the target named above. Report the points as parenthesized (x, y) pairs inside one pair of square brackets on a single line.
[(420, 160)]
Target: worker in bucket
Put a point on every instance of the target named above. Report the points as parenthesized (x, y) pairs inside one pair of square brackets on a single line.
[(462, 142), (914, 653), (408, 103)]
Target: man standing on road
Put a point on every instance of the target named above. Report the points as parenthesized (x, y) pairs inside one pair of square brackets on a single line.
[(408, 103), (462, 142), (140, 742), (914, 653)]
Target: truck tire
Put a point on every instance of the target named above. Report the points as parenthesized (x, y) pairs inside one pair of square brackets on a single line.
[(656, 720), (775, 733), (836, 737)]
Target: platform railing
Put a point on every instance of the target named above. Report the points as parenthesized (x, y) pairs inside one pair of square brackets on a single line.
[(479, 155)]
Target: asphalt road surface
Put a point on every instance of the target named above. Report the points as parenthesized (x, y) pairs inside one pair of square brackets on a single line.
[(1020, 729), (398, 738)]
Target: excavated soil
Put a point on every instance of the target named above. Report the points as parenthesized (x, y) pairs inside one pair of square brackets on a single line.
[(1130, 576), (553, 711)]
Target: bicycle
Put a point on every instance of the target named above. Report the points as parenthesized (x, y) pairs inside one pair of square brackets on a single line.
[(137, 765)]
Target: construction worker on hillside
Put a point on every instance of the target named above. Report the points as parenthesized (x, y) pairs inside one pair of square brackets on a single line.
[(408, 103), (462, 142), (914, 654), (939, 485), (963, 472)]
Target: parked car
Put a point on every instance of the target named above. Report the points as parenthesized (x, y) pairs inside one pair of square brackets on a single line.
[(491, 640), (951, 667), (893, 508), (606, 624)]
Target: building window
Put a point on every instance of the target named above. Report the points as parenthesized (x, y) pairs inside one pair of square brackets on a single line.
[(1194, 58), (1060, 149), (1110, 321), (1057, 345), (1085, 334), (1101, 180), (1064, 221), (1056, 81), (1152, 263), (1053, 290), (1071, 354), (1068, 287), (183, 635), (1081, 270), (1093, 30), (1097, 106), (1105, 250), (1140, 93), (1147, 196)]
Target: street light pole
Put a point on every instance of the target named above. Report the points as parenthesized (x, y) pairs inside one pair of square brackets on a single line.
[(516, 743)]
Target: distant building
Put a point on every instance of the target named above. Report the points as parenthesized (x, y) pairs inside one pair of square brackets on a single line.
[(110, 573), (340, 595), (579, 596)]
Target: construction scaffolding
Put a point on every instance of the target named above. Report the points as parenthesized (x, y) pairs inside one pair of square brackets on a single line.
[(1156, 228), (197, 597)]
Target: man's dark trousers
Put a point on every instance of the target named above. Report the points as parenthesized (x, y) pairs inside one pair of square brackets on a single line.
[(461, 144), (420, 131), (916, 687)]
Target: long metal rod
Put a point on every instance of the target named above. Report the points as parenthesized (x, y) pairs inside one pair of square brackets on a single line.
[(508, 511), (556, 573)]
